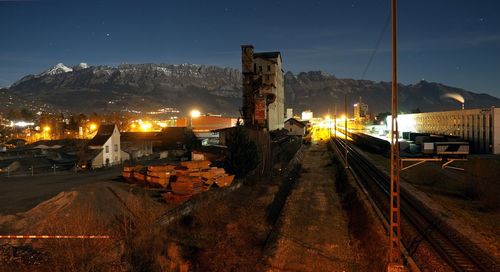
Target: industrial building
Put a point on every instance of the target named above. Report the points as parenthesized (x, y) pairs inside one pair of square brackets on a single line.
[(360, 110), (480, 127), (263, 89)]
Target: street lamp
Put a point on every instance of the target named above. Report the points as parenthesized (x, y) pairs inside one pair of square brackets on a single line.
[(192, 115), (195, 113)]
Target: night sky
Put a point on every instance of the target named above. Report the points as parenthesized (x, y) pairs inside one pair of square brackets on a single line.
[(455, 42)]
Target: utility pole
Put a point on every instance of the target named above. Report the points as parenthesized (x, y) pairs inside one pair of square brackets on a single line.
[(345, 132), (395, 262)]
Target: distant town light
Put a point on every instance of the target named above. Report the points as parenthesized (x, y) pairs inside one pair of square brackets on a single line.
[(46, 128), (146, 126), (93, 126), (23, 124), (195, 113)]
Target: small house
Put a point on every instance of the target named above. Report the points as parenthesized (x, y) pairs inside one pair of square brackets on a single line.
[(105, 147), (295, 127)]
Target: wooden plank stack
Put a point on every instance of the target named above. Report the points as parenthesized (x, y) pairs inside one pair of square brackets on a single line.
[(159, 175), (181, 182), (128, 171)]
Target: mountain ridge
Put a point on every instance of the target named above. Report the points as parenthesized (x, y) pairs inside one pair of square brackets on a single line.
[(216, 89)]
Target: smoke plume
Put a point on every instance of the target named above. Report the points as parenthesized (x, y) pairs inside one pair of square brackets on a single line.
[(457, 97)]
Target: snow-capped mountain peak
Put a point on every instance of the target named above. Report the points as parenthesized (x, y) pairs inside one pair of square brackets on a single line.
[(57, 69)]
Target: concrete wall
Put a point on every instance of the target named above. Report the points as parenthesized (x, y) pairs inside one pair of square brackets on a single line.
[(496, 131), (273, 76), (114, 149), (294, 129), (97, 161)]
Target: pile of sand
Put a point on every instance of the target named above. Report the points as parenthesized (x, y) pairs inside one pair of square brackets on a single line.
[(94, 206)]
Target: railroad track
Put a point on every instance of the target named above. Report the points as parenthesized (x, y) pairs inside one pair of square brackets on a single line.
[(460, 254)]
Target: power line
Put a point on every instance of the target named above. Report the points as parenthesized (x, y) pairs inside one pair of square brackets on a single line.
[(377, 45)]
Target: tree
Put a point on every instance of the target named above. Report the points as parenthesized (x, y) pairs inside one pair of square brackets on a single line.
[(243, 152), (26, 114), (382, 116), (13, 115), (73, 124)]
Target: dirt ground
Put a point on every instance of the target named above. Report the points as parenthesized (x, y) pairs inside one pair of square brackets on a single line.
[(450, 193), (19, 194), (314, 232)]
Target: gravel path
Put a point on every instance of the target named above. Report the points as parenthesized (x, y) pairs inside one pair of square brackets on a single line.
[(314, 231)]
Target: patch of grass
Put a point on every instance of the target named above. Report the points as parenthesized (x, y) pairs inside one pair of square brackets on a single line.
[(483, 183), (360, 223)]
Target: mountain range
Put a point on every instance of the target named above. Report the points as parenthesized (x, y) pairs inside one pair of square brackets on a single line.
[(147, 87)]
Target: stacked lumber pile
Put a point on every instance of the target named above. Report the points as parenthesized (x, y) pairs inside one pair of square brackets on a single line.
[(181, 182), (160, 174), (128, 171)]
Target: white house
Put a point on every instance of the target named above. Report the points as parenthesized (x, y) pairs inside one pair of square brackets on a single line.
[(105, 147), (295, 127)]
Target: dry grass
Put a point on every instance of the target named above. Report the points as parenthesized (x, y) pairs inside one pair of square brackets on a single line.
[(226, 234), (483, 181), (136, 242), (76, 254), (368, 239)]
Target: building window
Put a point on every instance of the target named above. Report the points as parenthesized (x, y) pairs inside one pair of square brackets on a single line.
[(254, 67), (269, 68), (107, 149), (116, 147), (260, 68), (267, 77)]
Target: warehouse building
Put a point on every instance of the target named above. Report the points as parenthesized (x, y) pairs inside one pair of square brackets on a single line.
[(480, 127)]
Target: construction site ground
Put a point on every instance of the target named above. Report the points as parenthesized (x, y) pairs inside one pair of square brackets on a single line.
[(230, 233), (21, 193), (450, 193)]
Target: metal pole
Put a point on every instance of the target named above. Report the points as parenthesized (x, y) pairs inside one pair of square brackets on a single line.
[(345, 132), (395, 231)]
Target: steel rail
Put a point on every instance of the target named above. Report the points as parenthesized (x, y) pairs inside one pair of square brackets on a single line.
[(459, 254)]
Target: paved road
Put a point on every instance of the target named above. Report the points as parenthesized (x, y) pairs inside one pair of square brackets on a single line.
[(19, 194)]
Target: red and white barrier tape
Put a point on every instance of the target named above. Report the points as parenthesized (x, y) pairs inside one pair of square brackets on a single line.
[(54, 236)]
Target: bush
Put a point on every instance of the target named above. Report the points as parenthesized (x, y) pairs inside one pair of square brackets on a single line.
[(243, 153)]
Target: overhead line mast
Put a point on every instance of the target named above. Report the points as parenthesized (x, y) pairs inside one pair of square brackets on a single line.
[(395, 262)]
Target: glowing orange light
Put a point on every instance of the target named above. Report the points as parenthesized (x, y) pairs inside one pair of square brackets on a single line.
[(195, 113)]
